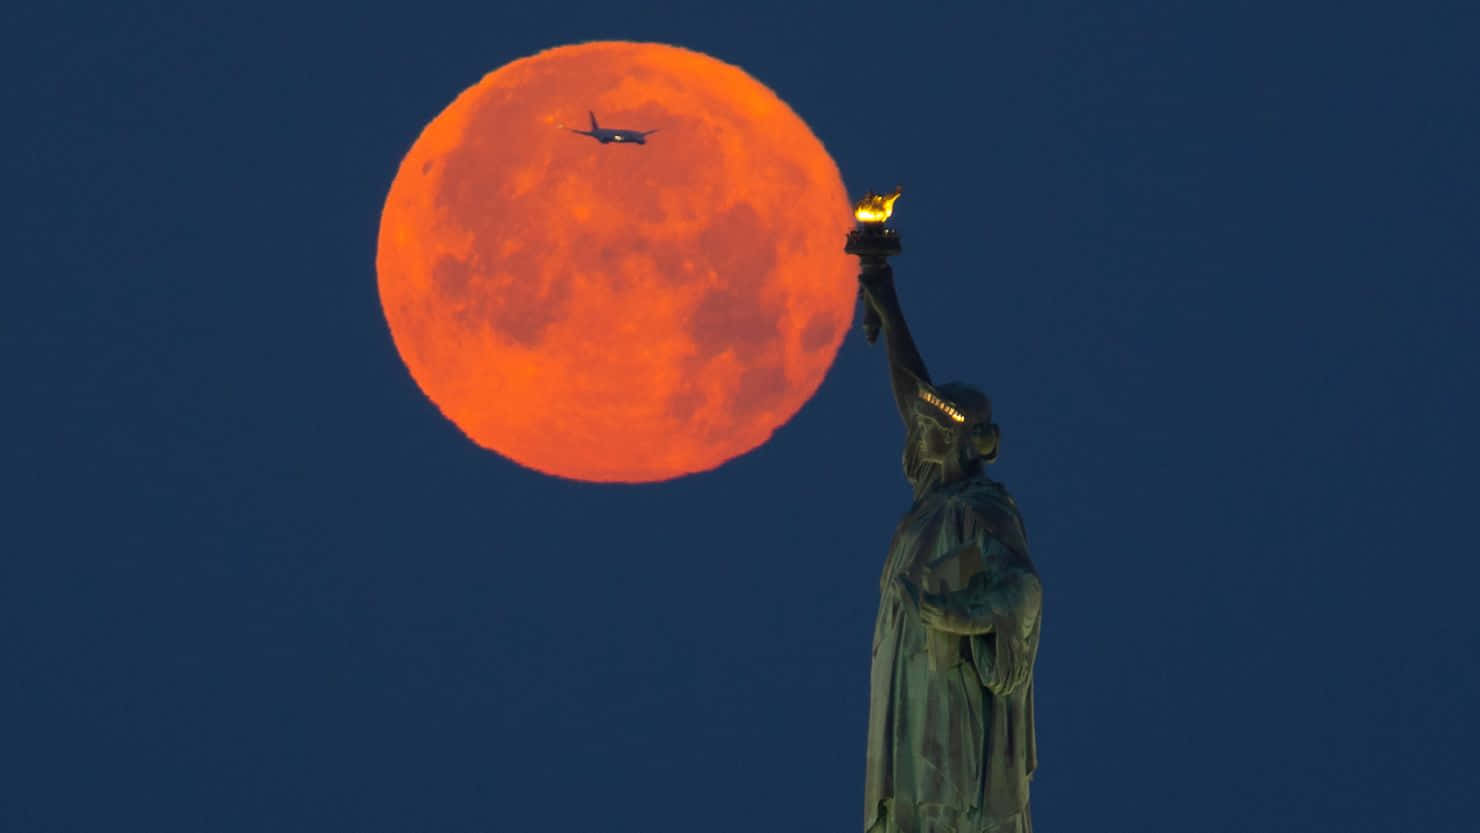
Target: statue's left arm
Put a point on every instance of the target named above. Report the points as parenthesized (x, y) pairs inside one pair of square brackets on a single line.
[(1004, 601), (993, 598)]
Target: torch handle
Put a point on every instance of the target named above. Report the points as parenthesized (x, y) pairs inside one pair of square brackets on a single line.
[(871, 322), (873, 244)]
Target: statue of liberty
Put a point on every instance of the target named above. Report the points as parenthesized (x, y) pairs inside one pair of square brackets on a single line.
[(951, 744)]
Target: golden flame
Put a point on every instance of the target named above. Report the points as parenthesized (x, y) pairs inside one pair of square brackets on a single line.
[(876, 208)]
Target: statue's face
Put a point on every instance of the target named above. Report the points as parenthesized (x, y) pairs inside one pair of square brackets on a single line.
[(936, 442), (937, 437)]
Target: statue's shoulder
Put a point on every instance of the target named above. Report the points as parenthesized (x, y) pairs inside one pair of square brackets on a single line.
[(981, 493), (987, 505)]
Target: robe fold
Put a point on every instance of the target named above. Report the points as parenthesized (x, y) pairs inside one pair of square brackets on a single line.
[(944, 752)]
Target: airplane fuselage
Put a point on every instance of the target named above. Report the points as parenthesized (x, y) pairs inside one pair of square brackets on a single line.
[(629, 137), (610, 135)]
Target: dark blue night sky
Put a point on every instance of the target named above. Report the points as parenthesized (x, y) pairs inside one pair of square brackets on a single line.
[(1216, 264)]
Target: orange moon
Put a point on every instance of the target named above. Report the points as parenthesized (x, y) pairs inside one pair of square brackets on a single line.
[(617, 313)]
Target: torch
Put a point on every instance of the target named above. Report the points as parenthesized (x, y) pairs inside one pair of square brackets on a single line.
[(873, 243)]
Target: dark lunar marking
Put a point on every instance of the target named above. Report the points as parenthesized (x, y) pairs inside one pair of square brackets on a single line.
[(596, 255), (730, 318), (819, 332), (510, 294), (639, 200), (684, 403), (740, 246), (451, 276), (794, 172), (643, 74), (733, 316), (526, 299), (668, 260), (796, 240), (513, 299), (760, 388), (465, 190), (426, 167)]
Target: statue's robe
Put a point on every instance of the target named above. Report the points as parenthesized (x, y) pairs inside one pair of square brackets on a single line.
[(944, 752)]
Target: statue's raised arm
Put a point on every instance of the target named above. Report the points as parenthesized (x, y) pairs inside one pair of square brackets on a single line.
[(906, 366), (873, 244)]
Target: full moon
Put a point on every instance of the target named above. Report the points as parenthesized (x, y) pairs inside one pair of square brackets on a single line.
[(617, 312)]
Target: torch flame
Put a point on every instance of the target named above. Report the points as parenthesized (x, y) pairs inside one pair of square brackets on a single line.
[(876, 208)]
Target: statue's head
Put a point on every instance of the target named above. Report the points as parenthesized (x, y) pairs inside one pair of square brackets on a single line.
[(952, 427)]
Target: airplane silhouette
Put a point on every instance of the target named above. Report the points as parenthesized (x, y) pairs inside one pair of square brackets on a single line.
[(607, 135)]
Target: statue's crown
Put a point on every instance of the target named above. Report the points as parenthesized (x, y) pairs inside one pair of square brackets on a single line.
[(940, 404)]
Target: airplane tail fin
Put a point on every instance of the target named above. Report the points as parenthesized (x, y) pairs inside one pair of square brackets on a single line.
[(594, 125)]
